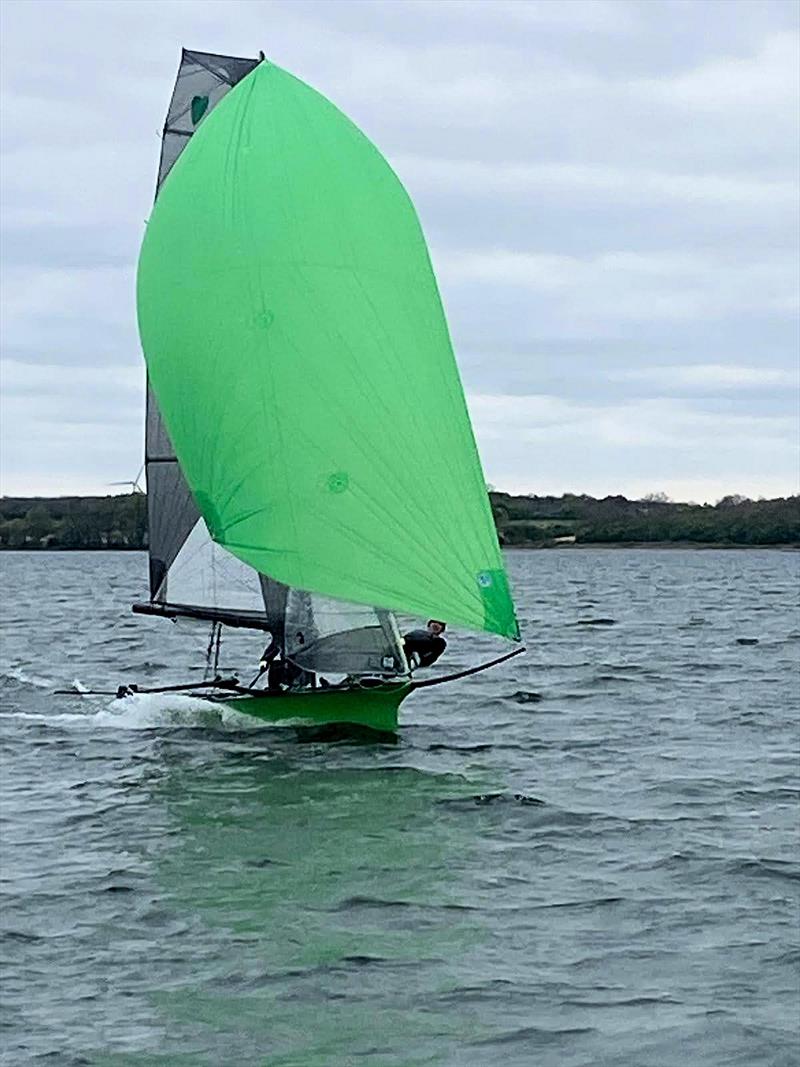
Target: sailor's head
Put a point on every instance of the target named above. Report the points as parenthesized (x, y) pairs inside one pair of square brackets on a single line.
[(436, 627)]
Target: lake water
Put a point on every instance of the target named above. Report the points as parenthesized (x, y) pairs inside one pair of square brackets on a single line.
[(586, 857)]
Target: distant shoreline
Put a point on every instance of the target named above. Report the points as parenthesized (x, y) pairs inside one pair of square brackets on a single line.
[(789, 546), (527, 522)]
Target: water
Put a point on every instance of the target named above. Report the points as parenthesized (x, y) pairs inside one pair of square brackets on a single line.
[(586, 857)]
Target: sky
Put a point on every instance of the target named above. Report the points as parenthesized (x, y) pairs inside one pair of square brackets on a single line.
[(609, 189)]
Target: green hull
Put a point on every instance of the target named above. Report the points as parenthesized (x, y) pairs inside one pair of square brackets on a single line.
[(375, 708)]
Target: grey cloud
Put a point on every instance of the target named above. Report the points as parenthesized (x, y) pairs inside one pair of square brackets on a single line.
[(67, 247), (608, 188)]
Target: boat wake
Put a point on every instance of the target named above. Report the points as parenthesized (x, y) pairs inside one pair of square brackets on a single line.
[(146, 711), (21, 676)]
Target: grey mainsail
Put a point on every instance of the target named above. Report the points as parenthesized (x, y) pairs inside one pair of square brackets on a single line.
[(203, 80)]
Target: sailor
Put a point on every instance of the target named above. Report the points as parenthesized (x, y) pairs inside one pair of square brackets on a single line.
[(423, 647), (269, 654), (281, 672), (271, 665), (284, 674)]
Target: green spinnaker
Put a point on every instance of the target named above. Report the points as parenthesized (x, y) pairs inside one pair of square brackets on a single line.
[(296, 342)]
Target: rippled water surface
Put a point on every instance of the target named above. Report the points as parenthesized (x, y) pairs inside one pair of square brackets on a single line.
[(586, 857)]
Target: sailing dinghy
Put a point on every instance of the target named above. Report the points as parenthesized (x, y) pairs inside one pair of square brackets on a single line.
[(311, 467)]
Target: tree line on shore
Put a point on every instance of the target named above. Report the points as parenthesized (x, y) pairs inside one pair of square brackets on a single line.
[(74, 522), (734, 520), (120, 522)]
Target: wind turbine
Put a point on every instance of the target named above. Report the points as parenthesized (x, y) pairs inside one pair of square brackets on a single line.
[(135, 487)]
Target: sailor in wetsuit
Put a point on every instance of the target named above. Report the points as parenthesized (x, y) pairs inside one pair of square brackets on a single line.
[(423, 647), (281, 672)]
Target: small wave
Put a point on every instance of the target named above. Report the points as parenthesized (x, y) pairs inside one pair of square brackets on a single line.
[(746, 640), (19, 935), (492, 989), (623, 1002), (790, 956), (484, 799), (145, 667), (52, 720), (251, 981), (630, 667), (673, 860), (583, 905), (535, 1035), (595, 622), (17, 674), (518, 798), (766, 868), (524, 696), (357, 903), (778, 792), (440, 746)]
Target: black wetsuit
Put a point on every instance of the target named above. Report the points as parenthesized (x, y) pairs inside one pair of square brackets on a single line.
[(285, 674), (425, 646)]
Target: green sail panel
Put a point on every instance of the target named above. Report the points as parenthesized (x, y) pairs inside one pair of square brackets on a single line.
[(295, 339)]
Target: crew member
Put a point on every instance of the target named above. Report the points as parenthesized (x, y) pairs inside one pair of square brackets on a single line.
[(423, 647)]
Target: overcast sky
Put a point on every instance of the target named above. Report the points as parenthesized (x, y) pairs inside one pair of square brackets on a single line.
[(609, 191)]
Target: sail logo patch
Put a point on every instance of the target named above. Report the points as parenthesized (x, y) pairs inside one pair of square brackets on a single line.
[(485, 579), (199, 108), (338, 482)]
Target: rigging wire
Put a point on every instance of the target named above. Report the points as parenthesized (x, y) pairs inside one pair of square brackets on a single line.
[(217, 647), (213, 650)]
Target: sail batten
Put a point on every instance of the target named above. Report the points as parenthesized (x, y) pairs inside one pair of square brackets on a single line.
[(297, 345)]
